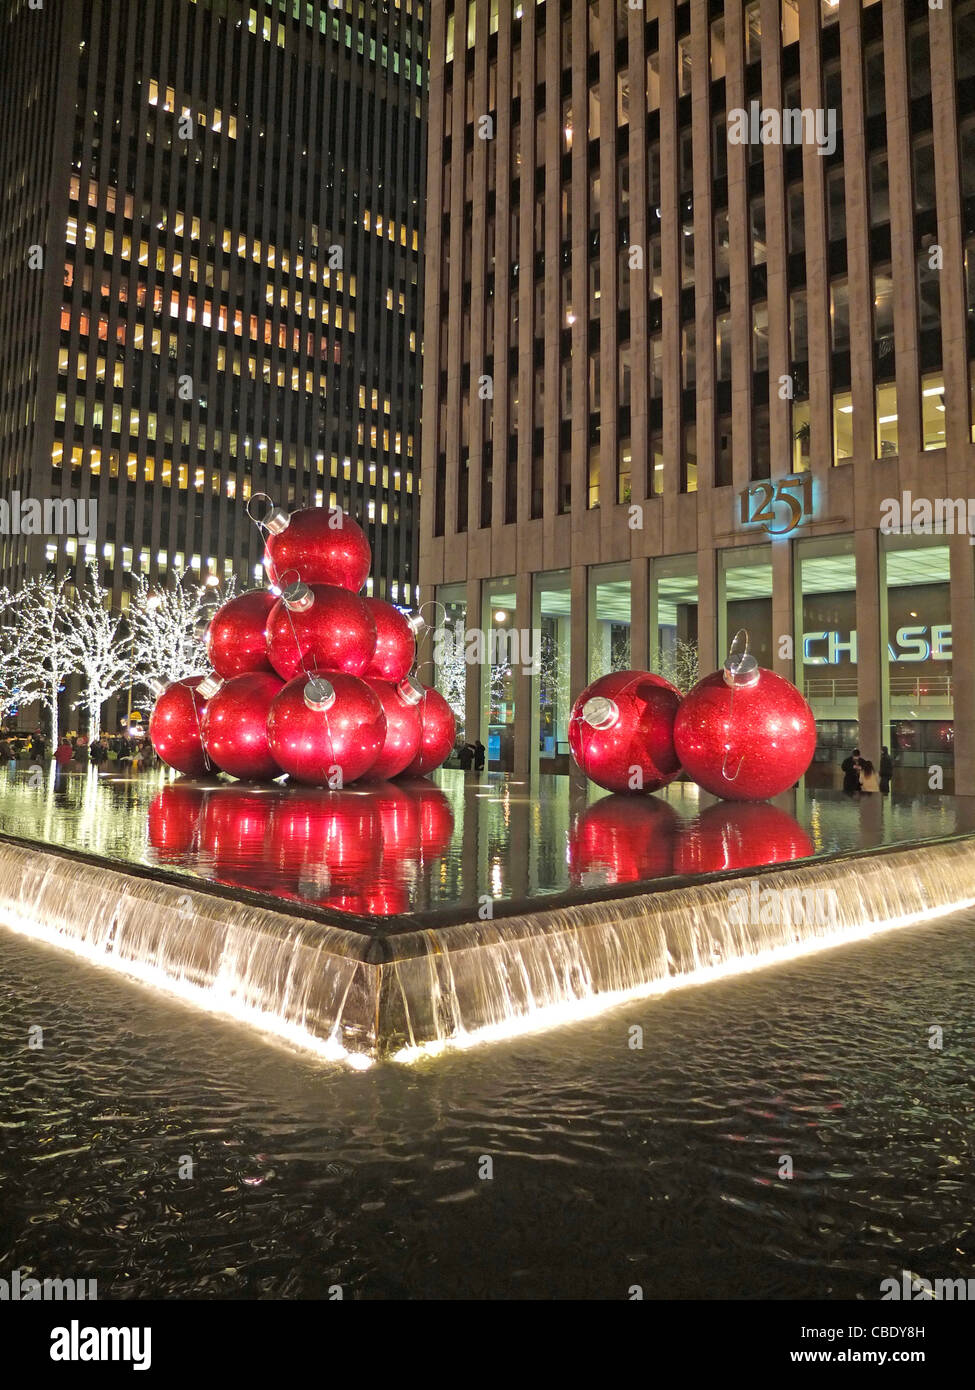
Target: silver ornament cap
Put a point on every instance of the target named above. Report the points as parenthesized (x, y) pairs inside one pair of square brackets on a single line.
[(319, 694), (600, 712), (298, 598)]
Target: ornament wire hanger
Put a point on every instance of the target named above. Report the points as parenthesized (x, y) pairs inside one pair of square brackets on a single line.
[(739, 662)]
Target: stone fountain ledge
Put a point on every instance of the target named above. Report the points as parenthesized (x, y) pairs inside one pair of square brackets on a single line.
[(402, 987)]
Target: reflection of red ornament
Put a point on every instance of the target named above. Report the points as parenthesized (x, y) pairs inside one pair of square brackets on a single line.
[(321, 547), (399, 820), (174, 727), (437, 737), (619, 840), (234, 830), (324, 841), (174, 816), (235, 726), (326, 732), (401, 707), (621, 731), (436, 817), (235, 637), (235, 827), (333, 632), (745, 733), (739, 836), (395, 642)]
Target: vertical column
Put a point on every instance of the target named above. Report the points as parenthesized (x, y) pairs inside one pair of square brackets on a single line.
[(963, 660), (903, 261), (741, 323), (639, 236), (526, 684), (640, 646), (857, 234), (783, 607), (579, 194), (707, 611), (478, 674), (670, 257), (817, 271), (954, 340), (870, 652), (776, 277), (705, 367), (579, 656)]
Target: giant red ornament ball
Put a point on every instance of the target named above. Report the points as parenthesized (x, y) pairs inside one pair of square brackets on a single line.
[(235, 726), (235, 637), (321, 547), (333, 743), (395, 642), (401, 744), (438, 732), (621, 731), (336, 632), (744, 733), (174, 727)]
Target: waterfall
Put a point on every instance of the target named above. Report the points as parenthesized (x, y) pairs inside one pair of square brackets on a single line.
[(348, 994)]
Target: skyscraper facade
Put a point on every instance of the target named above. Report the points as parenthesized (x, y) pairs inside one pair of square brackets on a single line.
[(210, 280), (699, 357)]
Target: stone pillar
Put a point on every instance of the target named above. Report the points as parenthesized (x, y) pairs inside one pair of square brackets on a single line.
[(870, 650)]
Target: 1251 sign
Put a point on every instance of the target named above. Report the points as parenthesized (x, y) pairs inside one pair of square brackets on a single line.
[(778, 507)]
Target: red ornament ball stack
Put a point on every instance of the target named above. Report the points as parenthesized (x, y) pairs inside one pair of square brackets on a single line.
[(286, 695)]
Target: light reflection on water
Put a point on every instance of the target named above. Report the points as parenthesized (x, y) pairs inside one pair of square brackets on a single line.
[(443, 843), (613, 1165)]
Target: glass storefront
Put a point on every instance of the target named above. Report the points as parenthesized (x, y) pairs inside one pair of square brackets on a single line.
[(500, 637), (919, 664), (745, 601), (609, 619), (826, 649), (673, 620), (552, 632), (448, 617)]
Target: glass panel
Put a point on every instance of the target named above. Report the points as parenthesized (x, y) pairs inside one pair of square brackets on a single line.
[(553, 634), (933, 410), (497, 671), (886, 421), (609, 628), (842, 426), (673, 646), (746, 577), (919, 657), (450, 666), (826, 653)]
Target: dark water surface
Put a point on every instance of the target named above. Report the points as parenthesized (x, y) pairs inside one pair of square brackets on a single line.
[(612, 1166)]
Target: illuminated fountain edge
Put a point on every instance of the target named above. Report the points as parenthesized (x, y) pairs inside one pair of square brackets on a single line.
[(342, 995)]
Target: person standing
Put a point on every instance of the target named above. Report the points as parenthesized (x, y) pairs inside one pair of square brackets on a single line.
[(851, 772), (479, 755), (886, 770), (869, 781)]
